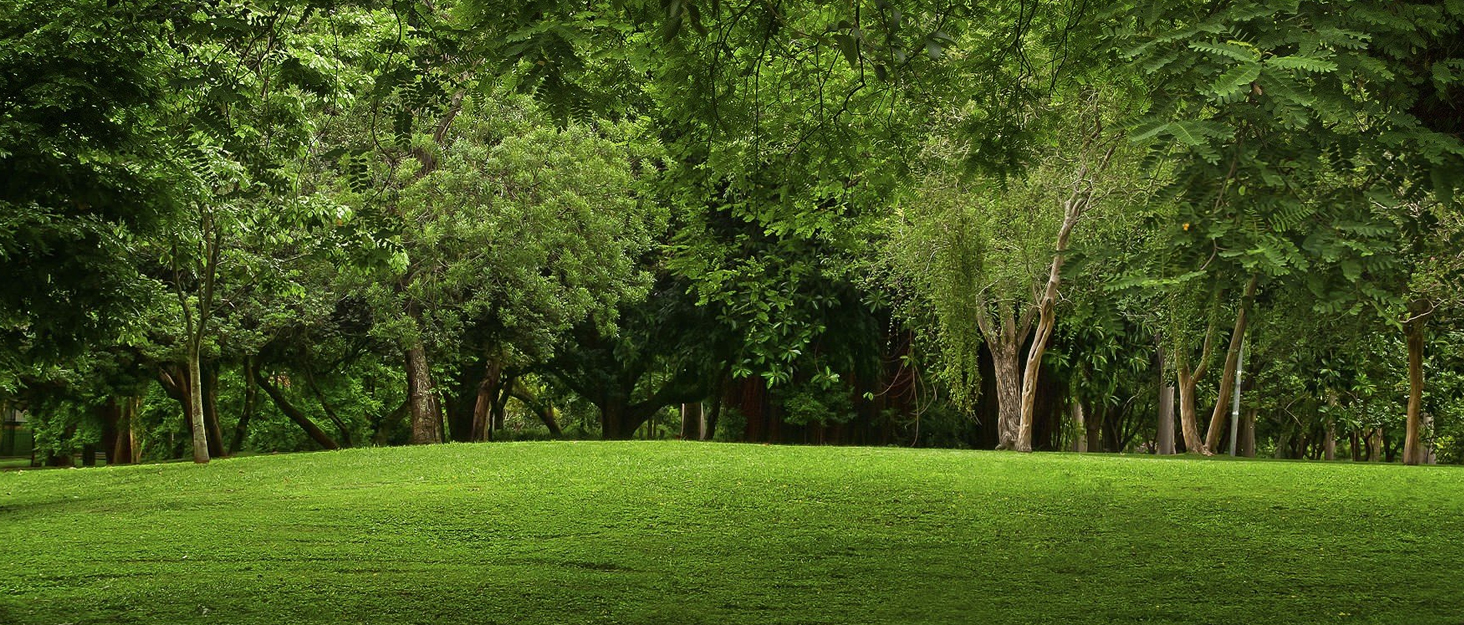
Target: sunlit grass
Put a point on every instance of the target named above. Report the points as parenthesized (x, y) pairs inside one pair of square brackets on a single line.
[(667, 532)]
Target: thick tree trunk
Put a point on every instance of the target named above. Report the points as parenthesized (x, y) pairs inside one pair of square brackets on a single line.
[(300, 418), (1232, 360), (426, 413), (1004, 356), (1413, 436), (195, 405), (1375, 442), (1329, 446)]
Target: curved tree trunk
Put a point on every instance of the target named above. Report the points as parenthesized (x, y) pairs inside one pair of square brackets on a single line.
[(1232, 360), (300, 418)]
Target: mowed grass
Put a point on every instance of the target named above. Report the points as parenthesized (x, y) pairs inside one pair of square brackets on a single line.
[(646, 532)]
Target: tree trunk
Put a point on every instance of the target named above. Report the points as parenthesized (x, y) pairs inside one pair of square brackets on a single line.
[(1080, 430), (1247, 444), (1093, 425), (211, 411), (300, 418), (340, 424), (1004, 356), (1164, 430), (195, 404), (690, 423), (1188, 417), (487, 387), (544, 411), (1413, 436), (1232, 361), (425, 412), (241, 429)]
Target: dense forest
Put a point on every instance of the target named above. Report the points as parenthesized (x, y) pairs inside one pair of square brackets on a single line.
[(1149, 227)]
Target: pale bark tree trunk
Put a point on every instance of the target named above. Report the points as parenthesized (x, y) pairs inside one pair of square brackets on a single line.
[(1413, 436), (426, 414), (1329, 446), (1375, 445), (1232, 359), (1072, 210), (1164, 439), (1188, 380), (1046, 322), (1080, 430), (195, 405), (1164, 431)]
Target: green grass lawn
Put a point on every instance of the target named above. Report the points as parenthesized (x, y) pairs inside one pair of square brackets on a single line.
[(648, 532)]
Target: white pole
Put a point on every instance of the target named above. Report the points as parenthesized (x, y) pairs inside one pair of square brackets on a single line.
[(1235, 408)]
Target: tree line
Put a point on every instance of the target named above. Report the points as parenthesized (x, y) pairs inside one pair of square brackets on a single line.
[(312, 224)]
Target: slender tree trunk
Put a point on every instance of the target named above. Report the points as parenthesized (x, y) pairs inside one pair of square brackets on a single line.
[(1355, 445), (1164, 432), (1188, 417), (1413, 437), (1093, 426), (487, 387), (134, 437), (425, 412), (330, 413), (1329, 446), (1247, 446), (195, 404), (1376, 441), (211, 411), (241, 429), (1232, 360), (1080, 430), (1046, 320), (500, 404)]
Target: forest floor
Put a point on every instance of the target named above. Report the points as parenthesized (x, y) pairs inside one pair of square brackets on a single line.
[(668, 532)]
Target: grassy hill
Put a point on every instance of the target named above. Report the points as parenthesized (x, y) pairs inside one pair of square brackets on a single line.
[(708, 533)]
